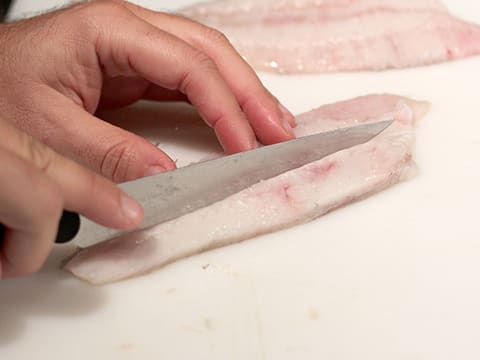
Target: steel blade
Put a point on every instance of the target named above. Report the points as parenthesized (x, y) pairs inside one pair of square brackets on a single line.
[(175, 193)]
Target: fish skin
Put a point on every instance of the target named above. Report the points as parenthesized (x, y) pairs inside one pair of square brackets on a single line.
[(312, 36), (292, 198)]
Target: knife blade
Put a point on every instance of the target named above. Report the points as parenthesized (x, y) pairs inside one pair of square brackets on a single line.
[(175, 193), (172, 194)]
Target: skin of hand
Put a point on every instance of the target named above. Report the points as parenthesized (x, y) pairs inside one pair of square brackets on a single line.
[(36, 184), (58, 69)]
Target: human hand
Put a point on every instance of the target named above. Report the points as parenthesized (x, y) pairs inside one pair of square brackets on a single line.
[(59, 68), (36, 184)]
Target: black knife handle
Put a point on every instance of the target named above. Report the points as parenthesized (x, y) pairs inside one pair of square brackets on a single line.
[(68, 227)]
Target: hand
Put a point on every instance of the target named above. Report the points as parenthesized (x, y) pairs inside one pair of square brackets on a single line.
[(36, 184), (58, 69)]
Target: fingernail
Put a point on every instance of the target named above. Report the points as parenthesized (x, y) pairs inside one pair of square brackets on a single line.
[(287, 115), (154, 170), (131, 209)]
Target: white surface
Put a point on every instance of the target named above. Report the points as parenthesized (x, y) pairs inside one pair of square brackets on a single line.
[(391, 277)]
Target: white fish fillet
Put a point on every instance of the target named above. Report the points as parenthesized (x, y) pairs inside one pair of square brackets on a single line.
[(294, 197), (308, 36)]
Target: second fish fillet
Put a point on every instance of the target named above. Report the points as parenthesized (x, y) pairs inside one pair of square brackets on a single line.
[(310, 36)]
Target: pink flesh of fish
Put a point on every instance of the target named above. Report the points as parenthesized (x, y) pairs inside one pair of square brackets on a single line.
[(294, 197), (309, 36)]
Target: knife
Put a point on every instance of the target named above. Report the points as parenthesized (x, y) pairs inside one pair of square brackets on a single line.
[(169, 195)]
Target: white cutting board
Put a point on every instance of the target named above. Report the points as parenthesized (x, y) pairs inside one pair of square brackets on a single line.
[(393, 277)]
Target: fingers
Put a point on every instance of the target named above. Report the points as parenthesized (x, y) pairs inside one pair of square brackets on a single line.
[(36, 184), (81, 189), (271, 121), (170, 62), (116, 153), (30, 208)]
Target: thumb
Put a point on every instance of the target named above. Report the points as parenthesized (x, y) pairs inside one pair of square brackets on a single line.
[(81, 189)]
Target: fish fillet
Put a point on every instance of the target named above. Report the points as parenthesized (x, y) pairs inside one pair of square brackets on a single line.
[(310, 36), (294, 197)]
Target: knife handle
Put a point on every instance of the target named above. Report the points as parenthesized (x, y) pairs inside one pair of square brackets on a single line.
[(68, 227)]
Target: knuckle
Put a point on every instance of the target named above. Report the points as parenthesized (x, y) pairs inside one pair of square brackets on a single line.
[(254, 95), (117, 161), (153, 35), (93, 13), (105, 6), (40, 155), (215, 36), (200, 63), (202, 60), (46, 211)]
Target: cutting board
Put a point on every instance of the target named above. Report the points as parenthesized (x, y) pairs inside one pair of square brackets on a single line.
[(392, 277)]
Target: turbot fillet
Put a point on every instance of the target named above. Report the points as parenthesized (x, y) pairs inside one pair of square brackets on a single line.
[(292, 198)]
